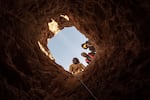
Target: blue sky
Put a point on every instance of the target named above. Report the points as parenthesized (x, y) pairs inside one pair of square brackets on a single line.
[(66, 45)]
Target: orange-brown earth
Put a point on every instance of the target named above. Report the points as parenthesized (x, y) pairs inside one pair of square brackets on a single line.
[(119, 29)]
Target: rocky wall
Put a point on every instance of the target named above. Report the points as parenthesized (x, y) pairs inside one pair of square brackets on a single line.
[(119, 29)]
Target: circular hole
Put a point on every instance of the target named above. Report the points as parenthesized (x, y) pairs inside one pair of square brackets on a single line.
[(66, 45)]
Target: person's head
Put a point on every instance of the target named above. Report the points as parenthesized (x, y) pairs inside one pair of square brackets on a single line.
[(75, 60), (92, 49), (84, 54), (88, 43), (84, 46)]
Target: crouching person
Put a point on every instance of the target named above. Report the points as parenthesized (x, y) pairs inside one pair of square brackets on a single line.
[(76, 67)]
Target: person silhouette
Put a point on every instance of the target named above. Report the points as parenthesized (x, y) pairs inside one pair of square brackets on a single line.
[(76, 67)]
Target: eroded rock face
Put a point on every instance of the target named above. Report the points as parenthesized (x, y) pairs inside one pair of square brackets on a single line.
[(118, 29)]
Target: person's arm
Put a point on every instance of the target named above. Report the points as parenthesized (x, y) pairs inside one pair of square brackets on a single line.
[(70, 69), (87, 61), (83, 67)]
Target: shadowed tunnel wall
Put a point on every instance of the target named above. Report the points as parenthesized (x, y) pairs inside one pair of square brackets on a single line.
[(118, 29)]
